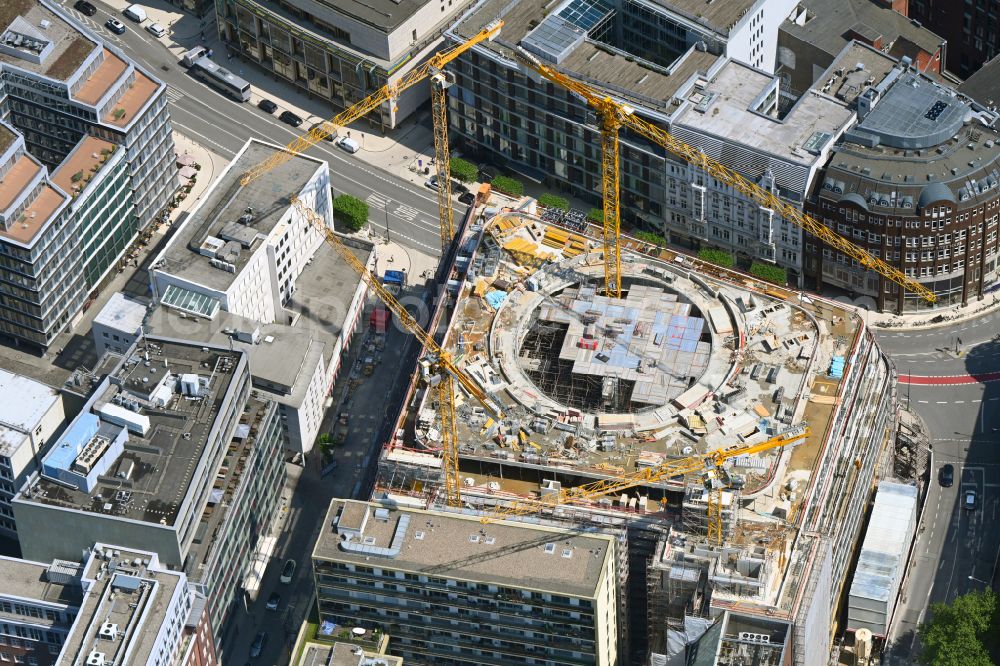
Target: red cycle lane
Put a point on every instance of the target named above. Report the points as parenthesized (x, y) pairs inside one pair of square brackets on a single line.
[(949, 380)]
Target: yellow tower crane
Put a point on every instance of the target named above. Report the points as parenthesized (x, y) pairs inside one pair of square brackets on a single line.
[(614, 115), (433, 68), (448, 372), (681, 467)]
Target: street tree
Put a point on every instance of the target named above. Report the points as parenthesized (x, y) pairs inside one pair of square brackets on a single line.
[(350, 211), (463, 170), (953, 636)]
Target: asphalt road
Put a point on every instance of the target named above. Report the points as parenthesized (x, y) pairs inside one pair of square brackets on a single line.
[(223, 126), (956, 549)]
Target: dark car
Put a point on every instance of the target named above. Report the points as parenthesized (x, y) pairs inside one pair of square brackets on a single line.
[(267, 106), (85, 8), (467, 198), (290, 118), (970, 499), (259, 641), (273, 602), (115, 26), (329, 131), (946, 476)]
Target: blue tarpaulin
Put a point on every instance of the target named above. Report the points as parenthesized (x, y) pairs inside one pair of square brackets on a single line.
[(495, 298)]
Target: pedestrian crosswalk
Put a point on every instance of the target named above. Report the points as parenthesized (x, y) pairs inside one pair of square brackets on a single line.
[(174, 95), (377, 201)]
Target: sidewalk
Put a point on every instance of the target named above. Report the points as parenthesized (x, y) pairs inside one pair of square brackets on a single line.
[(405, 153), (939, 318)]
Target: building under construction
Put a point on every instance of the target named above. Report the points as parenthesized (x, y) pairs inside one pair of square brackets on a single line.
[(746, 560)]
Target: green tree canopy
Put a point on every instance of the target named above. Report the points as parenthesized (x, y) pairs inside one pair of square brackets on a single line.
[(717, 257), (769, 272), (953, 636), (508, 185), (463, 170), (553, 201), (650, 237), (596, 215), (350, 211)]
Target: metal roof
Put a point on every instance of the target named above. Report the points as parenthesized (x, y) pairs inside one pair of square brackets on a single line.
[(915, 113)]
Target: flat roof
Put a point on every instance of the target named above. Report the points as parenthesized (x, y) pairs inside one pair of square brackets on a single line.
[(127, 592), (343, 654), (133, 101), (6, 137), (223, 205), (86, 156), (915, 112), (727, 115), (830, 23), (23, 172), (36, 216), (70, 46), (719, 15), (101, 80), (23, 404), (456, 546), (887, 541), (852, 81), (386, 15), (121, 313), (166, 458), (29, 580)]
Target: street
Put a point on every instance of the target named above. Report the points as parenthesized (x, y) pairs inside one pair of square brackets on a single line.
[(223, 126), (956, 549)]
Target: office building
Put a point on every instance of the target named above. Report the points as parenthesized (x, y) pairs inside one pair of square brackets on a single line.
[(30, 414), (86, 161), (38, 605), (816, 32), (700, 87), (971, 29), (344, 51), (118, 325), (450, 590), (915, 182), (170, 454)]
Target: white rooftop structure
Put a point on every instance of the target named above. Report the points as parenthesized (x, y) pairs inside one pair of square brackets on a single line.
[(121, 313), (23, 404)]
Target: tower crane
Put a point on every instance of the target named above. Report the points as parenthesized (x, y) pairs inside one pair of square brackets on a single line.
[(614, 115), (441, 359), (710, 462), (434, 69)]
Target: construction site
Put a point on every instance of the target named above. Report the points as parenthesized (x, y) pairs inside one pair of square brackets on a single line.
[(733, 429)]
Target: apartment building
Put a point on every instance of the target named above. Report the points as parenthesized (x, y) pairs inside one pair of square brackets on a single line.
[(38, 606), (172, 454), (712, 89), (970, 28), (30, 414), (915, 183), (341, 51), (87, 161), (450, 590)]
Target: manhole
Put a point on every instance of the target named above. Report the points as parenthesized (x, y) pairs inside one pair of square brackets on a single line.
[(165, 68)]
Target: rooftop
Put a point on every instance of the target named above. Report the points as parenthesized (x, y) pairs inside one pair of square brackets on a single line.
[(455, 546), (121, 313), (223, 207), (718, 16), (984, 85), (23, 405), (385, 15), (35, 216), (69, 46), (135, 99), (82, 162), (19, 176), (725, 109), (131, 592), (29, 580), (344, 654), (107, 74), (6, 137), (830, 25), (160, 464)]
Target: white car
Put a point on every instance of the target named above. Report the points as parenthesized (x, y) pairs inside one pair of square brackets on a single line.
[(348, 144), (156, 30), (287, 572)]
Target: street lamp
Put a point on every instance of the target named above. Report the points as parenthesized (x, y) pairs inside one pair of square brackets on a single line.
[(387, 202), (979, 580)]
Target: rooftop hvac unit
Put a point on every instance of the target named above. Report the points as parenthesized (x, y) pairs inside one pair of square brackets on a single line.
[(109, 630), (95, 658)]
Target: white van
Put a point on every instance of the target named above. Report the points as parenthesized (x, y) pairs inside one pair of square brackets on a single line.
[(136, 13), (348, 144)]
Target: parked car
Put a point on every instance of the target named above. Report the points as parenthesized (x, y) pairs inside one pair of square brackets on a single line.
[(267, 106), (259, 641), (115, 26), (85, 8), (329, 137), (288, 571), (347, 144), (432, 182), (273, 601), (970, 499), (467, 198), (156, 30), (290, 118), (135, 13), (946, 476)]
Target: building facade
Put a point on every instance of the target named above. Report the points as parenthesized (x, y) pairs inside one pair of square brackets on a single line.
[(971, 29), (450, 591), (915, 183), (38, 604), (341, 52), (30, 414), (87, 163)]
